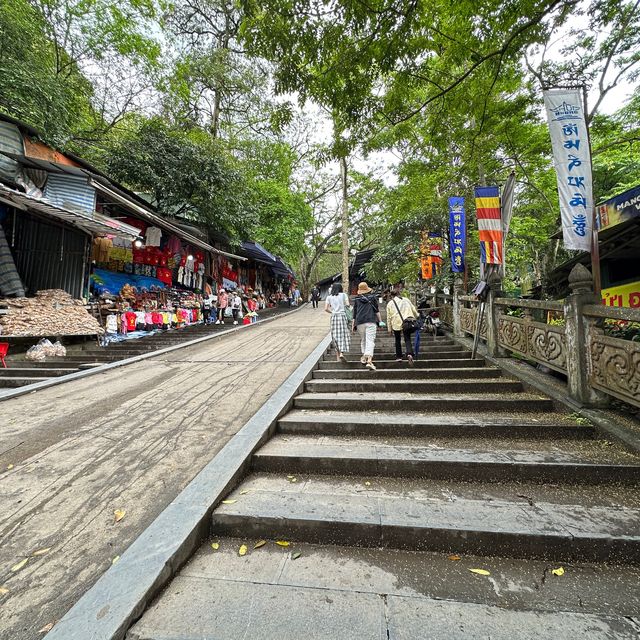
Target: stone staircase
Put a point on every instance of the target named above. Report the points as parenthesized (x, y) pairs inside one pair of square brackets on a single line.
[(382, 493)]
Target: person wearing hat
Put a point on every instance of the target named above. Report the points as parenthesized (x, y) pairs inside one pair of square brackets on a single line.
[(366, 317)]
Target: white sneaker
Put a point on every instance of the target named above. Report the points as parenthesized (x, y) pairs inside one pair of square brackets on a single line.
[(217, 321), (235, 322)]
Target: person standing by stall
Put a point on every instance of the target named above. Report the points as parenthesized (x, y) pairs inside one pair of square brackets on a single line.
[(223, 303), (236, 305), (366, 318)]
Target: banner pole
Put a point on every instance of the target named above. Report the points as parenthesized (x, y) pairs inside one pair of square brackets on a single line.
[(595, 241)]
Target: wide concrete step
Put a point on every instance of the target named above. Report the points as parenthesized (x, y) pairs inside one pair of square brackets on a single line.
[(424, 355), (566, 532), (37, 372), (331, 363), (343, 401), (414, 458), (15, 382), (409, 373), (492, 385), (334, 423), (49, 363), (424, 347), (382, 594)]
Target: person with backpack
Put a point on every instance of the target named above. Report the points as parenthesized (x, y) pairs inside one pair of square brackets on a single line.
[(402, 319), (337, 304), (366, 318)]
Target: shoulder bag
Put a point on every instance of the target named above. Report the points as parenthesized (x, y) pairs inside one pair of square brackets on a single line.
[(348, 310)]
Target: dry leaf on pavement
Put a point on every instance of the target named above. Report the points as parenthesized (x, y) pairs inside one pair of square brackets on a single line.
[(282, 543), (215, 546), (229, 501), (19, 565), (454, 557), (259, 544), (9, 467), (118, 514), (4, 591), (41, 552), (480, 572), (115, 560), (558, 572), (296, 555), (46, 628), (242, 551)]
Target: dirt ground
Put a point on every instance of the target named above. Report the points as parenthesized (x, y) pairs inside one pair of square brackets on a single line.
[(128, 440)]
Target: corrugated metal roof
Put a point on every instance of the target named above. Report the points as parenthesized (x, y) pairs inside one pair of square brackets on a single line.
[(89, 222)]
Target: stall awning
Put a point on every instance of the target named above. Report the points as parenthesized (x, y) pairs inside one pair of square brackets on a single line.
[(258, 253), (143, 212), (281, 269), (91, 222)]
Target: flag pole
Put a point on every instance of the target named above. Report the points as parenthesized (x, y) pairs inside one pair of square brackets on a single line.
[(595, 241)]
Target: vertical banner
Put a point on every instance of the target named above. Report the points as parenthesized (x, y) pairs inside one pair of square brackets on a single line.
[(489, 224), (572, 161), (430, 254), (457, 234)]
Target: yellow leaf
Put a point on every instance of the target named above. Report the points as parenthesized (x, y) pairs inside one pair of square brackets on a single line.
[(3, 591), (282, 543), (215, 546), (367, 484), (115, 560), (17, 567), (290, 477), (41, 552), (294, 479), (229, 501), (454, 557), (242, 551), (259, 544), (480, 572), (9, 467), (46, 628), (119, 514), (558, 572)]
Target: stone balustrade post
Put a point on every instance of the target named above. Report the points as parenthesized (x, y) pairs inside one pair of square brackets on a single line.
[(578, 336), (457, 306), (492, 314)]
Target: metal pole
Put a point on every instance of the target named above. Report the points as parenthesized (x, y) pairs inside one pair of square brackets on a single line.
[(595, 243)]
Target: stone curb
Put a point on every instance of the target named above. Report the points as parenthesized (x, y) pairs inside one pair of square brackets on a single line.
[(121, 595), (604, 425), (79, 375)]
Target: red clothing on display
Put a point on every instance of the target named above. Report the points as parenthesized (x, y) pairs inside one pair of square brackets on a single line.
[(156, 317), (130, 317)]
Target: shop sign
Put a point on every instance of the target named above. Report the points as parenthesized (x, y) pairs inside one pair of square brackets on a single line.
[(626, 295), (457, 234), (619, 209)]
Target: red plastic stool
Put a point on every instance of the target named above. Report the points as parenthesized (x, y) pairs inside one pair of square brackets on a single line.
[(4, 349)]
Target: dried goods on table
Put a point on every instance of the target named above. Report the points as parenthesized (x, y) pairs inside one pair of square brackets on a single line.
[(51, 312)]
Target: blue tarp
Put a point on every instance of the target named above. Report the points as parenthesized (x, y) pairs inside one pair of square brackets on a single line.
[(103, 281), (257, 252)]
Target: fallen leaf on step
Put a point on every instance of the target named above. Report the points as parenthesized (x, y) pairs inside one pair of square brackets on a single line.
[(41, 552), (215, 546), (46, 628), (282, 543), (259, 544), (9, 467), (19, 565), (367, 484), (296, 555), (115, 560), (242, 551), (119, 514), (229, 501), (4, 591), (558, 572), (290, 477), (244, 493), (480, 572), (454, 557)]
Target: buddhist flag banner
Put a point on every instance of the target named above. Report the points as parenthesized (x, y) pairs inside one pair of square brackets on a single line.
[(572, 161), (457, 234), (489, 224)]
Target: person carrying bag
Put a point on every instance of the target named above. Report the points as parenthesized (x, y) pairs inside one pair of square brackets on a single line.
[(402, 321)]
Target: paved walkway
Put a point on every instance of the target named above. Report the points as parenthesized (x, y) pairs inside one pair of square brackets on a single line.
[(129, 439)]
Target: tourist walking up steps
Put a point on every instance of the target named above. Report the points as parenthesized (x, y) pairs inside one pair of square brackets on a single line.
[(337, 304), (315, 296), (401, 320), (366, 317)]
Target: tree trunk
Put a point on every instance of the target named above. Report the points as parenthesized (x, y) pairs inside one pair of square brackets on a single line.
[(345, 226)]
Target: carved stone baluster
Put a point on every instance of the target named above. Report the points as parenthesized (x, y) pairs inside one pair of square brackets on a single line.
[(457, 305)]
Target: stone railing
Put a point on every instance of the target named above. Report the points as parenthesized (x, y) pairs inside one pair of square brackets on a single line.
[(566, 336)]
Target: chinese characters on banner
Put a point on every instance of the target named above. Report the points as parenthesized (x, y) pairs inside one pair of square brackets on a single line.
[(430, 254), (489, 218), (571, 157), (457, 234)]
